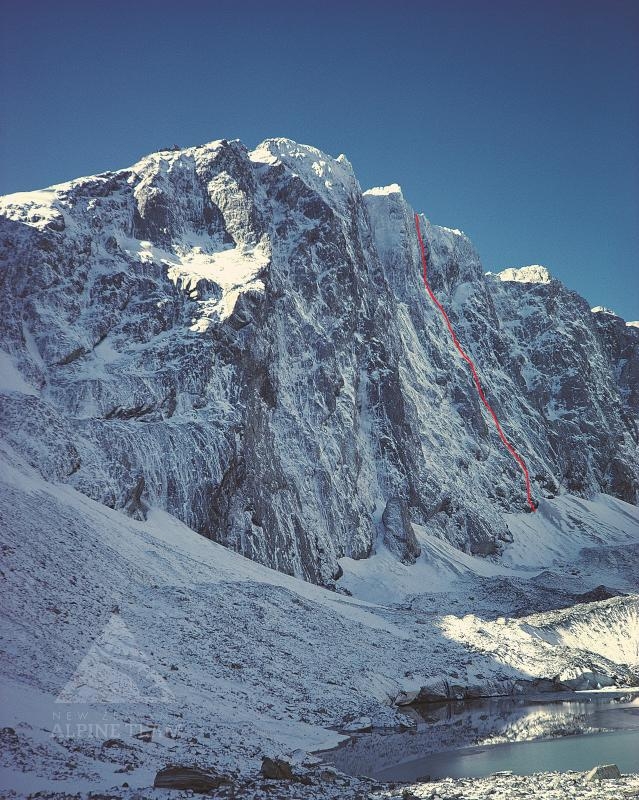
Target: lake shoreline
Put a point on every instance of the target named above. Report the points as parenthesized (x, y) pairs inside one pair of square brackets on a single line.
[(478, 738)]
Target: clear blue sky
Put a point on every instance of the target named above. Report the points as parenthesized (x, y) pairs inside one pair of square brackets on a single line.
[(515, 121)]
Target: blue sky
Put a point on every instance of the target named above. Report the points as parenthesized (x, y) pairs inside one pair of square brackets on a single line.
[(515, 121)]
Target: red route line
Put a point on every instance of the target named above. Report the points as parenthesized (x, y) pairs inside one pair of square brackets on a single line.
[(468, 360)]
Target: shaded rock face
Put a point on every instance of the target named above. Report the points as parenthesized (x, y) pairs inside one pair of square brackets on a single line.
[(399, 535), (243, 339)]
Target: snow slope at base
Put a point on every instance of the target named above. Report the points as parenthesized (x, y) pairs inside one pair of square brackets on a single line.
[(221, 652), (562, 527)]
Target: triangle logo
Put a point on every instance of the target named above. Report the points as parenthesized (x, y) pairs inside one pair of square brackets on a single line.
[(115, 670)]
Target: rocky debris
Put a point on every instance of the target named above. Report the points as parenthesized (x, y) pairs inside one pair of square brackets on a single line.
[(145, 735), (553, 786), (550, 785), (441, 690), (276, 769), (600, 592), (604, 772), (328, 774), (193, 778), (107, 743), (594, 680)]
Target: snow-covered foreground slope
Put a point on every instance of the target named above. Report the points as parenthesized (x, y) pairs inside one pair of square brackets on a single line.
[(242, 339), (131, 625)]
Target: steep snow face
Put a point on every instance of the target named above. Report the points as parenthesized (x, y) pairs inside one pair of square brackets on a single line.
[(243, 339)]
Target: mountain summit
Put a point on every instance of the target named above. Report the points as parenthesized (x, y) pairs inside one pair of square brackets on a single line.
[(242, 338)]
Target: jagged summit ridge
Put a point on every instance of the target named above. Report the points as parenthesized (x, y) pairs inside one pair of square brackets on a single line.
[(242, 338)]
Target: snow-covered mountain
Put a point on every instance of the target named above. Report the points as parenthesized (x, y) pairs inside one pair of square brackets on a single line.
[(243, 339), (241, 344)]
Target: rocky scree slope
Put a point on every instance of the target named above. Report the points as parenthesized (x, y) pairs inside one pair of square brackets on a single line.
[(243, 339)]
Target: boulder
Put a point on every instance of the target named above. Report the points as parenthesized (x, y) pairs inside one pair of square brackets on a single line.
[(276, 769), (360, 725), (434, 692), (589, 680), (406, 698), (114, 743), (604, 772), (328, 775), (193, 778)]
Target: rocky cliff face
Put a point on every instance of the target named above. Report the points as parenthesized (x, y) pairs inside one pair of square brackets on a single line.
[(243, 339)]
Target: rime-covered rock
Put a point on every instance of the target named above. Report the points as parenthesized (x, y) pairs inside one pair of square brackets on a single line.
[(243, 339)]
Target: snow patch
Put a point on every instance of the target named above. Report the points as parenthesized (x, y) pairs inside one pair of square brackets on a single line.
[(10, 378), (532, 274), (233, 270), (35, 209), (392, 188), (604, 310)]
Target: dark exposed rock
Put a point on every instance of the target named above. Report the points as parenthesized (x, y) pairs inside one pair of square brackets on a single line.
[(540, 686), (276, 769), (603, 772), (114, 743), (443, 691), (399, 535), (598, 593), (136, 508), (193, 778)]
